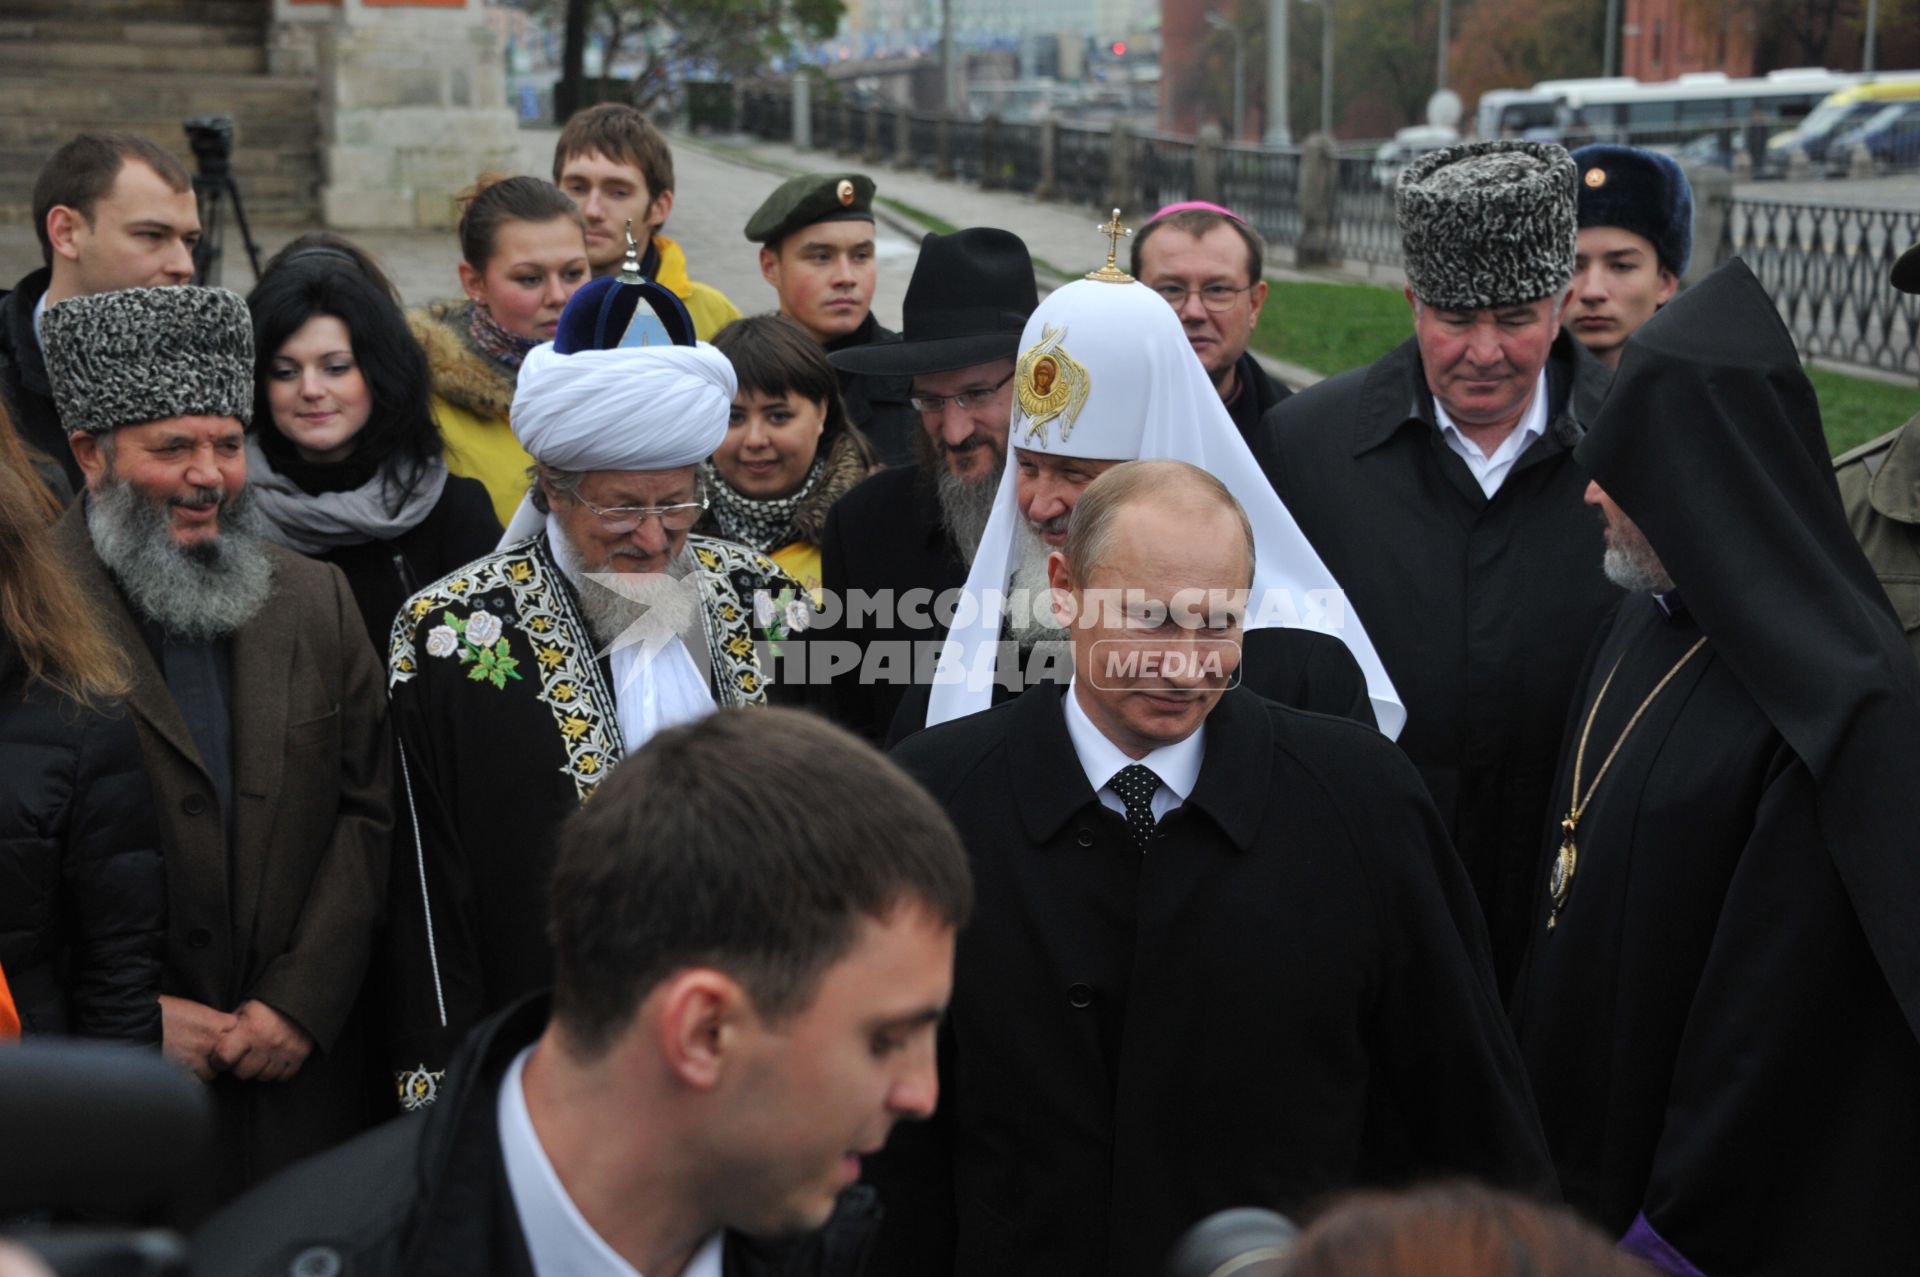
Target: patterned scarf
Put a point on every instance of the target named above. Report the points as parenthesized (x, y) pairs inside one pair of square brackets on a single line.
[(494, 341), (764, 523)]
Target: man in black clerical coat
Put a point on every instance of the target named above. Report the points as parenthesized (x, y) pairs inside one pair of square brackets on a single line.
[(1439, 485), (1720, 1003), (1221, 953), (902, 539)]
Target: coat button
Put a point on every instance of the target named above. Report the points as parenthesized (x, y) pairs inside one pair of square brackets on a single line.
[(1085, 838), (199, 938), (1079, 995), (316, 1261), (193, 804)]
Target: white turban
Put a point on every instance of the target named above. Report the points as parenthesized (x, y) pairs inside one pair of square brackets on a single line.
[(631, 408), (1105, 373)]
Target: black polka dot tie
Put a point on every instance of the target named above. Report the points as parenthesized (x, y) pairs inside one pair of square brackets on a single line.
[(1136, 786)]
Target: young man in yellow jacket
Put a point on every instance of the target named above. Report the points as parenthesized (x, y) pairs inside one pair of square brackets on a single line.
[(616, 166)]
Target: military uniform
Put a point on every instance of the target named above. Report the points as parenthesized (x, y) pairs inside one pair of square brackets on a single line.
[(1880, 486)]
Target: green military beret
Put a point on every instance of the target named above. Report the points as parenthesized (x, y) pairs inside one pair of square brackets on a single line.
[(809, 198)]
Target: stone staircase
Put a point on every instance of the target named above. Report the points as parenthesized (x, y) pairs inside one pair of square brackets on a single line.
[(144, 66)]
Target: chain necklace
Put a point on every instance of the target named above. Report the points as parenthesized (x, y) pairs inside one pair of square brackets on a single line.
[(1567, 859)]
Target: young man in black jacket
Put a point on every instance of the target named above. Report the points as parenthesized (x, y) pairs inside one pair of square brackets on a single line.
[(744, 1004), (112, 211)]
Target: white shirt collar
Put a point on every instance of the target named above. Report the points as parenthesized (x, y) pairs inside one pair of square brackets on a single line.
[(1177, 765), (39, 311), (1491, 471), (558, 1236)]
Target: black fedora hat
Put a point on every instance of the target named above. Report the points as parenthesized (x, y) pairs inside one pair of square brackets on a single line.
[(968, 300)]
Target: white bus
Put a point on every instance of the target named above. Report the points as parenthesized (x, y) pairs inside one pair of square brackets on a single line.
[(1666, 114)]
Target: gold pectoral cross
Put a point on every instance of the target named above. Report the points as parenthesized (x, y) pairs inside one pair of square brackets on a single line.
[(1565, 862)]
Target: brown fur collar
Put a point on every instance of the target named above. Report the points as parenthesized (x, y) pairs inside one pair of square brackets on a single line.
[(462, 375), (849, 460)]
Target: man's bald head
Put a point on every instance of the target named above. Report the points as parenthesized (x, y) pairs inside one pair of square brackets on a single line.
[(1187, 493)]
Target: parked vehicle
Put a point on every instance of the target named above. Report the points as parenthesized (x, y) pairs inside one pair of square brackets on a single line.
[(1408, 145), (1841, 113), (1891, 136)]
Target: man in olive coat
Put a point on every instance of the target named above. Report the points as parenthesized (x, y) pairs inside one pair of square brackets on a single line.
[(1880, 486), (261, 720)]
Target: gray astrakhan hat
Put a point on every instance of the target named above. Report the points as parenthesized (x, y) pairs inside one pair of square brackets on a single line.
[(1488, 224), (147, 354)]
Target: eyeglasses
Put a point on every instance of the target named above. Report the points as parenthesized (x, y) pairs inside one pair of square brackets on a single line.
[(933, 405), (1215, 297), (625, 518)]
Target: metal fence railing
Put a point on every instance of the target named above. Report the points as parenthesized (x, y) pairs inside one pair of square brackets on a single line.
[(924, 140), (966, 143), (1080, 164), (1262, 184), (1826, 270), (1017, 163), (1363, 223), (1164, 173)]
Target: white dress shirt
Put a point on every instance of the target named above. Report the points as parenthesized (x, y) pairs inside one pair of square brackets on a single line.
[(1491, 471), (1177, 765), (558, 1237)]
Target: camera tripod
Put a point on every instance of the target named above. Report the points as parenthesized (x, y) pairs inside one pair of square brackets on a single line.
[(211, 137)]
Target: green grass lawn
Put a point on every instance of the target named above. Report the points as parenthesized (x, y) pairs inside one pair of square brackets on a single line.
[(1333, 327)]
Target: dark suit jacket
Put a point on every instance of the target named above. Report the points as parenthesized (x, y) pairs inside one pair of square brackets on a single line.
[(1288, 995), (285, 915), (23, 378), (884, 536)]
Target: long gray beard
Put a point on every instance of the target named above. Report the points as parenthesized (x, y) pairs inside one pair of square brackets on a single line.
[(665, 596), (197, 593), (1030, 612), (965, 506), (1632, 565)]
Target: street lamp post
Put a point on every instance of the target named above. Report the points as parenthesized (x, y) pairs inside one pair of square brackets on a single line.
[(1440, 60), (1279, 132), (1326, 67), (1219, 23)]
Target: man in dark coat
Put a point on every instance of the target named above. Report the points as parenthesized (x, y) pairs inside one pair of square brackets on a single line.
[(1720, 1006), (1209, 265), (1105, 376), (1222, 953), (262, 725), (902, 539), (112, 210), (743, 1008), (1439, 485), (816, 251)]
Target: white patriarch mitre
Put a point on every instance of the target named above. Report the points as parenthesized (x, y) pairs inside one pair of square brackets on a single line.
[(627, 408), (1106, 374)]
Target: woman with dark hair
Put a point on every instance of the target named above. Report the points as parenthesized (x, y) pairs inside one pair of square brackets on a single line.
[(790, 451), (344, 459), (523, 249), (82, 887)]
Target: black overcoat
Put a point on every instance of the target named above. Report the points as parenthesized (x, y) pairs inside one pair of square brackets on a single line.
[(24, 386), (884, 536), (1289, 994), (1480, 609)]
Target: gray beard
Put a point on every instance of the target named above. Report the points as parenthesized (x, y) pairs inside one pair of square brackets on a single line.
[(666, 596), (1632, 565), (1030, 615), (197, 593), (966, 505)]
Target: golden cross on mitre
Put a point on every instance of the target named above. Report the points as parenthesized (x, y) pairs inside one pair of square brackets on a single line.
[(1111, 273)]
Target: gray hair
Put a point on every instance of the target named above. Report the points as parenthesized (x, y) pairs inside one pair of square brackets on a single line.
[(565, 482)]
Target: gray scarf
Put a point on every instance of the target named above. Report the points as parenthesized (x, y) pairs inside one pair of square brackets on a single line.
[(314, 524)]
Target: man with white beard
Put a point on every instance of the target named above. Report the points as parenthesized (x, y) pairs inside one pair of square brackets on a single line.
[(520, 680), (1105, 375), (262, 727)]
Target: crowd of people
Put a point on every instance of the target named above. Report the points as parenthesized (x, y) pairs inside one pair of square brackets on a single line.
[(454, 738)]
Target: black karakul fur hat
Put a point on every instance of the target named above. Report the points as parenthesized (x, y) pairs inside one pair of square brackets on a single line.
[(1488, 224), (146, 354), (1640, 191)]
